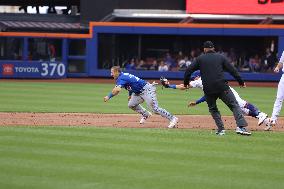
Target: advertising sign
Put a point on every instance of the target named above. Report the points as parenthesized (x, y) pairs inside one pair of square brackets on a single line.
[(44, 70), (267, 7)]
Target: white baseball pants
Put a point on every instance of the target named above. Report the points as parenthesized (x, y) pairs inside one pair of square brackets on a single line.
[(279, 99)]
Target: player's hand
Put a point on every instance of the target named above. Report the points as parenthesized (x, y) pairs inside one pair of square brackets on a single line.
[(276, 69), (244, 85), (106, 98), (186, 86), (191, 103), (182, 87), (129, 97), (154, 83), (167, 82)]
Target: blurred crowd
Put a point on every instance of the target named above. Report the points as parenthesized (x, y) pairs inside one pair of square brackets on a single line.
[(243, 62)]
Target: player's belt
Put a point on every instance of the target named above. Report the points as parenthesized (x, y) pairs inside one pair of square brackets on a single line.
[(144, 87)]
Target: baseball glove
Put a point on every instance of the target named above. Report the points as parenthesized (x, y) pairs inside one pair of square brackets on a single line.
[(164, 81)]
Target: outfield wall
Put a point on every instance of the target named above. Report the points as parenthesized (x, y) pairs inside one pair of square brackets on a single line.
[(88, 62)]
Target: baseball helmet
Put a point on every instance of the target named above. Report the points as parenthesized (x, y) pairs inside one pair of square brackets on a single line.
[(194, 75)]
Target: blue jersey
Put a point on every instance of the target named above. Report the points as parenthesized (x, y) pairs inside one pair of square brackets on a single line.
[(130, 82)]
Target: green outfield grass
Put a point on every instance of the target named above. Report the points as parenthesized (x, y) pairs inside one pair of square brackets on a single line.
[(131, 158), (102, 158), (78, 97)]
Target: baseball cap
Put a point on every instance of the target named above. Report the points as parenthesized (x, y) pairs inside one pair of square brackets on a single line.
[(194, 75), (208, 44)]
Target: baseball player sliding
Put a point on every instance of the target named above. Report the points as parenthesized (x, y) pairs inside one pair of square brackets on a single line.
[(196, 82), (139, 91), (280, 95)]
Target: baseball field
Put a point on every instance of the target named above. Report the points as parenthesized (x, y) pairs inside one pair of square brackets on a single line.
[(62, 135)]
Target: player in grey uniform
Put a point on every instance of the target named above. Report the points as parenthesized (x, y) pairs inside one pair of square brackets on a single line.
[(139, 91), (280, 95)]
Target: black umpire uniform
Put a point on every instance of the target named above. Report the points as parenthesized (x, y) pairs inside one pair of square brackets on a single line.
[(212, 66)]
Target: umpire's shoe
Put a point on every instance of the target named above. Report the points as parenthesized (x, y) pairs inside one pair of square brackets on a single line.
[(221, 133), (242, 131)]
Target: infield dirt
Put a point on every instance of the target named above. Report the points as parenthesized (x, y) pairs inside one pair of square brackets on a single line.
[(121, 120)]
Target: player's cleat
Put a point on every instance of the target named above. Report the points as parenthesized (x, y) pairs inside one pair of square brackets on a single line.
[(173, 123), (144, 118), (261, 117), (271, 123), (266, 121), (242, 131), (220, 133)]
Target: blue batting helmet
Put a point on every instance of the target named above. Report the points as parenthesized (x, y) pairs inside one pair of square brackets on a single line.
[(195, 74)]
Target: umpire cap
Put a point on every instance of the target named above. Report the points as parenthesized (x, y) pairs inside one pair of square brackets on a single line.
[(208, 44), (195, 75)]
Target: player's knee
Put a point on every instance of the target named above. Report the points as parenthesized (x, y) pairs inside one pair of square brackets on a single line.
[(155, 110), (279, 99), (245, 111), (132, 106)]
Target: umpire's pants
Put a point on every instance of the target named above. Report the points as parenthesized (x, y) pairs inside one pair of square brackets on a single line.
[(229, 99)]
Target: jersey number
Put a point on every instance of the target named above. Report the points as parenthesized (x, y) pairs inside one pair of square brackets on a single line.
[(130, 75)]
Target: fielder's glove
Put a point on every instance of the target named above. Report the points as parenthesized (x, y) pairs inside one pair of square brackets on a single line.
[(164, 81)]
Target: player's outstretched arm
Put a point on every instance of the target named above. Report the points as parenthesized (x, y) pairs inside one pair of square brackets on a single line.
[(180, 86), (113, 93), (194, 103), (166, 83)]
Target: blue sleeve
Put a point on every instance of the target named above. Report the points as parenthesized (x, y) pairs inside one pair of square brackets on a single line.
[(130, 93), (121, 83), (173, 86), (202, 99)]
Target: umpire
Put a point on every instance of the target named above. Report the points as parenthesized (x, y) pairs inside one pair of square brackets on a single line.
[(212, 66)]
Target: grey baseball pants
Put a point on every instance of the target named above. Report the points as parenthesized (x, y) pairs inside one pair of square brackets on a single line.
[(149, 96)]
